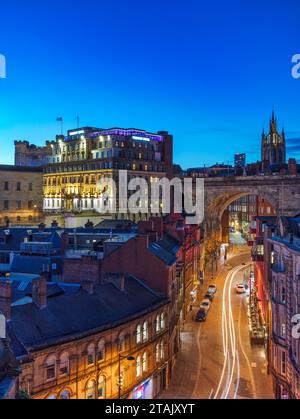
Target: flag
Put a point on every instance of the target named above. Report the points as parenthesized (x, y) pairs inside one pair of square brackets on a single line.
[(59, 119)]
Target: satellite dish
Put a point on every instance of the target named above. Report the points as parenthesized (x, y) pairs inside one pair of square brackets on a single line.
[(2, 327)]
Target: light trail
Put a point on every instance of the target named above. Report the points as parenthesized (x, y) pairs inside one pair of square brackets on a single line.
[(231, 355)]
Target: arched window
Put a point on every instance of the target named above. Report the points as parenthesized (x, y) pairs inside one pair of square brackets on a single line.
[(157, 353), (122, 342), (91, 390), (65, 395), (64, 364), (91, 354), (162, 321), (145, 362), (157, 324), (101, 350), (52, 397), (138, 366), (162, 350), (145, 332), (101, 387), (139, 334), (51, 368)]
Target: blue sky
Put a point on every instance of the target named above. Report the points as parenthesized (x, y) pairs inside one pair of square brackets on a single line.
[(208, 72)]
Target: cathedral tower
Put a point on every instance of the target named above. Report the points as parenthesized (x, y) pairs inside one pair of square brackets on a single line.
[(273, 148)]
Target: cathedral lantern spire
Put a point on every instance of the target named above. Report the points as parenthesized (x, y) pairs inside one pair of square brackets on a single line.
[(273, 144)]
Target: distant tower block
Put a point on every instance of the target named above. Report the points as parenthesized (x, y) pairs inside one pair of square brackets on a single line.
[(274, 145)]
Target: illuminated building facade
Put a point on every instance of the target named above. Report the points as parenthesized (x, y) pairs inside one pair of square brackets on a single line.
[(87, 155)]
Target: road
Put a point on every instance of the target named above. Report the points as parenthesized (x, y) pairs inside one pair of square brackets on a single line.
[(216, 360)]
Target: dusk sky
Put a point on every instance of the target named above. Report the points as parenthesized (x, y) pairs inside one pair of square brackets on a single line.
[(208, 72)]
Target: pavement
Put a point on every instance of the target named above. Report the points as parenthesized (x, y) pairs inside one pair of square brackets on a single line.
[(216, 360)]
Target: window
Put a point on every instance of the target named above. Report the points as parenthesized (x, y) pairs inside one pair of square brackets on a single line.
[(101, 387), (157, 324), (50, 368), (30, 204), (101, 350), (145, 362), (91, 354), (145, 331), (283, 295), (30, 187), (6, 186), (283, 363), (64, 364), (157, 353), (283, 330), (122, 345), (162, 321), (65, 395), (138, 366), (139, 334), (162, 350), (6, 205), (91, 390), (18, 186), (18, 205)]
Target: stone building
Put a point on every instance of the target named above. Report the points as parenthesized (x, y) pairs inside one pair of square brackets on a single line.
[(90, 341), (21, 190), (72, 193), (27, 154)]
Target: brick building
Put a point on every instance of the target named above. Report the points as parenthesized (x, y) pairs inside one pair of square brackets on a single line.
[(21, 195)]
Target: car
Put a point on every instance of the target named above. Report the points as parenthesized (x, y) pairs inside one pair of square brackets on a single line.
[(205, 305), (240, 289), (209, 296), (212, 289), (201, 316)]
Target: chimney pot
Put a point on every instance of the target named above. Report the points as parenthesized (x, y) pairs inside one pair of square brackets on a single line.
[(39, 291)]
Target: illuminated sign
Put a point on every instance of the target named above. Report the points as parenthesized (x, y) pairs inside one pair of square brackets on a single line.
[(140, 138), (73, 133)]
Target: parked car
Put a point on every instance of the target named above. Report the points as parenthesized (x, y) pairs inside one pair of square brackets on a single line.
[(205, 305), (212, 289), (201, 316), (240, 289), (210, 296)]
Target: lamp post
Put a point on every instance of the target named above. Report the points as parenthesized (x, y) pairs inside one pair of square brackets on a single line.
[(129, 358)]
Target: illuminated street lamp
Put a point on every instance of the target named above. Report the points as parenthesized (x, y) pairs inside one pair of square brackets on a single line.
[(129, 358)]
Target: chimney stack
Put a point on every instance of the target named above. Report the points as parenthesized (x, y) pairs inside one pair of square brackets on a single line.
[(292, 167), (5, 298), (39, 291)]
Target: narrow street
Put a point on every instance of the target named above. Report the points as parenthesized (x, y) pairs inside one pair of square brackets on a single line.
[(216, 360)]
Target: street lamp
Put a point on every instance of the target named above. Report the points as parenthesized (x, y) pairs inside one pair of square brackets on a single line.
[(129, 358)]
